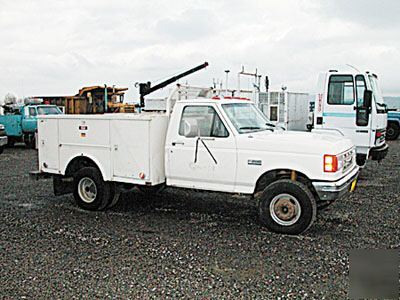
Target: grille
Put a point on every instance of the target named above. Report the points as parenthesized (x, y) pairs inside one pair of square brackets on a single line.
[(349, 158)]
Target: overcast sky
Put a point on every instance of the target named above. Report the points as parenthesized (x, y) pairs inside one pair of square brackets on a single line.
[(55, 47)]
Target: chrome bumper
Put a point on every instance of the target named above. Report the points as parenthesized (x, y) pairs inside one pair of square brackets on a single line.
[(333, 190), (3, 140)]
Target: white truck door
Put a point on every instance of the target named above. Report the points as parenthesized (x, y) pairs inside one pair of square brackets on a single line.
[(339, 109), (206, 160)]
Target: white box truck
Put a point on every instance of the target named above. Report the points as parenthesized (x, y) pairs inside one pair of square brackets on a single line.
[(224, 145), (350, 104)]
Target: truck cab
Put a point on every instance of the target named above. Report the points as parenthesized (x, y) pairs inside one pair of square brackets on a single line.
[(350, 104), (20, 122)]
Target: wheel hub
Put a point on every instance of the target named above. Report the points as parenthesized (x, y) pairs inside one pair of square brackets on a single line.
[(87, 190), (285, 209)]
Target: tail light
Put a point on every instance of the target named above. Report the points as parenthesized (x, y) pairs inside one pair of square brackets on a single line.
[(330, 163), (379, 135)]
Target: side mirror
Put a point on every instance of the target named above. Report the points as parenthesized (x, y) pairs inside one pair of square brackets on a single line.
[(190, 129), (367, 99)]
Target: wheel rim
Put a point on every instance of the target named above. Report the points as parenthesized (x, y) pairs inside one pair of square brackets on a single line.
[(87, 190), (285, 209)]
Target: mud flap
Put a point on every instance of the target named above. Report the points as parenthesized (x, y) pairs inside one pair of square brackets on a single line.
[(62, 185)]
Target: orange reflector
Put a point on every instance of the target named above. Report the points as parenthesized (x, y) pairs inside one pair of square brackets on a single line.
[(142, 175)]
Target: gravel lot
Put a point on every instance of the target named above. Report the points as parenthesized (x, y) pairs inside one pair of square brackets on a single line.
[(181, 243)]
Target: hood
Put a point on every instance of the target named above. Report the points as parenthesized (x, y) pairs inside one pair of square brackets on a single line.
[(297, 142)]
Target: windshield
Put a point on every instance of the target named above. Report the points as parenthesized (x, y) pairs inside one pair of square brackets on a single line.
[(376, 92), (246, 117), (48, 110)]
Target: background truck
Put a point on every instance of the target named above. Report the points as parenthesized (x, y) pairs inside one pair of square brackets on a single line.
[(222, 145), (351, 104), (20, 122), (393, 125), (286, 109)]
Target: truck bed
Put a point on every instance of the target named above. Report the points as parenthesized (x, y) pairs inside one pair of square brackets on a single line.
[(126, 147)]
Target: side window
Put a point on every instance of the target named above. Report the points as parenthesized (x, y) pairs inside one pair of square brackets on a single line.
[(341, 90), (32, 111), (207, 120), (360, 88)]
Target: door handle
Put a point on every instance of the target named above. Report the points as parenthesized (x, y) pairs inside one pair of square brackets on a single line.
[(208, 139), (177, 143)]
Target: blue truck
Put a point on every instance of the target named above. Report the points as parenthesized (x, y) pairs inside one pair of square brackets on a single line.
[(20, 122), (393, 126)]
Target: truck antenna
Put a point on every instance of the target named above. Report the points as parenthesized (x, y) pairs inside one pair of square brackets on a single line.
[(353, 67)]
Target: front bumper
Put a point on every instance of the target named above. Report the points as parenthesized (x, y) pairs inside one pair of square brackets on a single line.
[(3, 141), (333, 190), (379, 153)]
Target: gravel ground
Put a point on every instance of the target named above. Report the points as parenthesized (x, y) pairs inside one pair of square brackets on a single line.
[(182, 243)]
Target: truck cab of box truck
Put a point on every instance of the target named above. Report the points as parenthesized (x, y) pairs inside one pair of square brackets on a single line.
[(351, 104)]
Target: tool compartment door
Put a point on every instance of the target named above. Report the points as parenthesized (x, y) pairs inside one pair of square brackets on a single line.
[(48, 144), (130, 150)]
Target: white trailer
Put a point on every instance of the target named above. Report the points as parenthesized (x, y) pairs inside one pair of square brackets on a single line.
[(286, 109), (216, 144)]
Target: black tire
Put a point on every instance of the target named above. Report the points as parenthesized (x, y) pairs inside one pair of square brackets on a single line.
[(31, 143), (114, 196), (361, 160), (392, 131), (1, 149), (10, 142), (101, 194), (289, 196)]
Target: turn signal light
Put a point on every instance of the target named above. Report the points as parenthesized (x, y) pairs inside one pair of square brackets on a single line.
[(330, 163)]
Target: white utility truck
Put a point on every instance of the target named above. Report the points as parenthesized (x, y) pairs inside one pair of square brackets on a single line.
[(350, 104), (217, 144)]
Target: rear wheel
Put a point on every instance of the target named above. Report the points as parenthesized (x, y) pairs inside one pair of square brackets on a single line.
[(287, 207), (10, 142), (392, 131), (30, 141), (1, 149), (114, 196), (90, 191)]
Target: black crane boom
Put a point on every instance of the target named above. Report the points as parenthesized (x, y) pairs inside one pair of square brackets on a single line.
[(146, 88)]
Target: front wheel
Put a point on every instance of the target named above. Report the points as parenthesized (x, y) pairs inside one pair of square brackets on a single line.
[(287, 207), (392, 131), (1, 149), (90, 191)]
